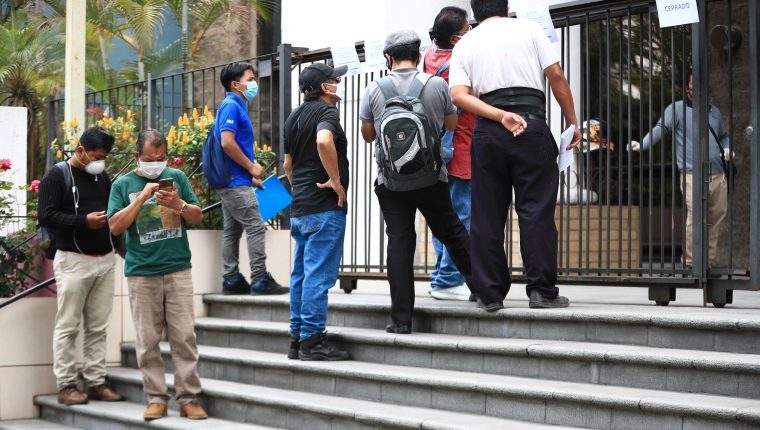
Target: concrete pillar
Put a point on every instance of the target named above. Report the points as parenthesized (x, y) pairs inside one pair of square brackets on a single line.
[(76, 28)]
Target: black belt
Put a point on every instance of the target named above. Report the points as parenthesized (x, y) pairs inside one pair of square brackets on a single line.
[(529, 103), (527, 115)]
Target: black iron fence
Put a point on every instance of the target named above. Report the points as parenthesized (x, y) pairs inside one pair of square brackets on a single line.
[(621, 214)]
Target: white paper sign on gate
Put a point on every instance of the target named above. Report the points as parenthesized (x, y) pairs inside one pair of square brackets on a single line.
[(346, 55), (373, 55), (677, 12), (543, 18)]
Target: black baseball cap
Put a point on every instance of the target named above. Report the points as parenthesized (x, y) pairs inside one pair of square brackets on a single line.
[(316, 74)]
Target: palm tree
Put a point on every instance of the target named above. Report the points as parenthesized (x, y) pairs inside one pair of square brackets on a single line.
[(135, 22), (196, 17), (31, 68)]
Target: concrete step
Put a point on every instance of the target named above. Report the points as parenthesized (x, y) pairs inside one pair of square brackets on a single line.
[(694, 329), (305, 410), (126, 416), (510, 397), (721, 373), (34, 425)]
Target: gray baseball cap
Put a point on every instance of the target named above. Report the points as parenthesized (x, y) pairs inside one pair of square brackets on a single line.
[(398, 38)]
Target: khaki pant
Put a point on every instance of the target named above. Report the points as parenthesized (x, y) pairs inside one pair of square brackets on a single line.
[(717, 206), (85, 294), (165, 302)]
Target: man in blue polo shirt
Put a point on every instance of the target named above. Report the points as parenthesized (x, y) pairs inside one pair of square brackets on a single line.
[(234, 130)]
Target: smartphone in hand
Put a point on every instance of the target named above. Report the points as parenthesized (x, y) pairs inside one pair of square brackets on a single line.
[(166, 184)]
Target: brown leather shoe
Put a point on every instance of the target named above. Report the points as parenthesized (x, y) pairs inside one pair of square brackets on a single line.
[(154, 411), (193, 410), (104, 394), (71, 396)]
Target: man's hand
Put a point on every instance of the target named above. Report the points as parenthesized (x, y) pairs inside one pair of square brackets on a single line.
[(169, 199), (258, 183), (634, 146), (96, 220), (338, 188), (514, 123), (148, 191), (256, 170), (576, 138)]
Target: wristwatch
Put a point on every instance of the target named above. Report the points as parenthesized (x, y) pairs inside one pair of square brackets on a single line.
[(184, 207)]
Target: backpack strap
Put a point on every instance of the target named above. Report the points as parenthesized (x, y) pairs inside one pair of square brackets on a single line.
[(67, 179), (418, 84), (388, 88), (443, 68)]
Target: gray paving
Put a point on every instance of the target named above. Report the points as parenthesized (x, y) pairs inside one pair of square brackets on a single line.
[(127, 415), (34, 425), (419, 379), (374, 414)]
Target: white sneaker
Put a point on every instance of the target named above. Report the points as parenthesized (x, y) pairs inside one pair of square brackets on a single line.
[(461, 293)]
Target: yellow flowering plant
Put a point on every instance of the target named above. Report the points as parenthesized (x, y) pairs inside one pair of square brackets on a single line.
[(70, 138), (266, 157), (185, 140), (123, 128)]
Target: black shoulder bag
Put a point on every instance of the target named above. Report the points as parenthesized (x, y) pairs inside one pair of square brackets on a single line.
[(728, 169)]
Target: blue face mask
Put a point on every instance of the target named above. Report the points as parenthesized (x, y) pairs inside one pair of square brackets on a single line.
[(252, 89)]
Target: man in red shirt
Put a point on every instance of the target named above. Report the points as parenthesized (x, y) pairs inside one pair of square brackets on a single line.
[(449, 26)]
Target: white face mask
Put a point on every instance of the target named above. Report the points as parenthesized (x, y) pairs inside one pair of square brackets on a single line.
[(340, 91), (151, 169), (95, 167)]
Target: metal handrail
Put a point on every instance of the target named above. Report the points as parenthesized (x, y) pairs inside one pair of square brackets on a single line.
[(27, 292)]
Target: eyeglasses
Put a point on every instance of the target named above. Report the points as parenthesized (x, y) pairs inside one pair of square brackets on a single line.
[(337, 79)]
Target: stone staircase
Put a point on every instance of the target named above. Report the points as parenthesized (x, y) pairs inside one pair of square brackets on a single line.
[(589, 366)]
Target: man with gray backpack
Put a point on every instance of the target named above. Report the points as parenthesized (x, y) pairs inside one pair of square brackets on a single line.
[(403, 113)]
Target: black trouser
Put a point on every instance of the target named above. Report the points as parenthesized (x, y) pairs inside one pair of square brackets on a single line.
[(528, 163), (399, 209)]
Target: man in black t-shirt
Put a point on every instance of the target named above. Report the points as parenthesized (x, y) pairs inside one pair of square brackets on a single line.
[(317, 167), (73, 198)]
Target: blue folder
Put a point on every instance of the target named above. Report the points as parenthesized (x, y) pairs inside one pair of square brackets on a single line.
[(273, 198)]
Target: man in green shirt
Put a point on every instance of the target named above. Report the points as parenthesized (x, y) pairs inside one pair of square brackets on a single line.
[(157, 268)]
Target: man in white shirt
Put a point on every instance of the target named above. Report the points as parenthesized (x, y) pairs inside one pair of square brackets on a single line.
[(497, 72)]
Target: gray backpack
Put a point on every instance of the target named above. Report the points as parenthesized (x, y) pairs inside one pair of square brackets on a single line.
[(410, 149)]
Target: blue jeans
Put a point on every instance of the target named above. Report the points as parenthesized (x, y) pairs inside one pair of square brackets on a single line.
[(318, 247), (446, 274)]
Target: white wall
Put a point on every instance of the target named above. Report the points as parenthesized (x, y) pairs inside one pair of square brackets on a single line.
[(345, 21), (13, 146), (26, 358)]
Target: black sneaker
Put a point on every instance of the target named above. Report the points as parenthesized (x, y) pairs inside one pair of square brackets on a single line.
[(398, 328), (316, 348), (490, 307), (235, 285), (537, 301), (293, 351), (266, 285)]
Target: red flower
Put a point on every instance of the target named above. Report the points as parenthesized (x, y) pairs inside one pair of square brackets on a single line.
[(5, 164), (35, 185), (177, 162)]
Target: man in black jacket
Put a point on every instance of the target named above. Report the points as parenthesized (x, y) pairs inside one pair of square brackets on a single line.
[(73, 197)]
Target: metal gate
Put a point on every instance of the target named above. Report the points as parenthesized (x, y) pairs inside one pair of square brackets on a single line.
[(620, 214)]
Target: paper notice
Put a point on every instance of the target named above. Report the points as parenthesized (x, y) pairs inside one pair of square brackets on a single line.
[(677, 12), (373, 55), (346, 55), (543, 18), (566, 156)]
